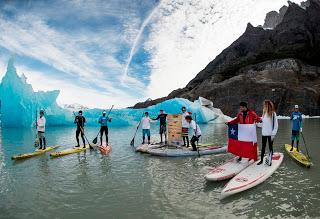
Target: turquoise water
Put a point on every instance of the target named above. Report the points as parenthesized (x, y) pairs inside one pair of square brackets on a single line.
[(126, 184)]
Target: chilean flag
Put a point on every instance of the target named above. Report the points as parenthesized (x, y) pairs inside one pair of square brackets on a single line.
[(243, 140)]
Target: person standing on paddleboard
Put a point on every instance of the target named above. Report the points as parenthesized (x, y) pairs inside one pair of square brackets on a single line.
[(145, 124), (80, 120), (41, 126), (163, 125), (269, 127), (296, 119), (103, 120), (195, 130), (185, 127), (245, 116)]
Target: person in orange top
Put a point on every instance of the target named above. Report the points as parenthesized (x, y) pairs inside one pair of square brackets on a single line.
[(245, 116)]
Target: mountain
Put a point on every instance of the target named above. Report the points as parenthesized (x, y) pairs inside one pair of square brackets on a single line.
[(279, 62)]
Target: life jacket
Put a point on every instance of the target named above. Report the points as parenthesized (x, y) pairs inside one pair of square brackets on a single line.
[(251, 118)]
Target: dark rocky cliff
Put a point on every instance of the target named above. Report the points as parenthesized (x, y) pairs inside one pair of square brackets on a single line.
[(280, 63)]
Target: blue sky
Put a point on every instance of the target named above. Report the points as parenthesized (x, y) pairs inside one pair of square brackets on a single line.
[(103, 52)]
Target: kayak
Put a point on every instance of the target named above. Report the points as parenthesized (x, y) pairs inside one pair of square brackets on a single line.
[(252, 176), (298, 156), (70, 151), (186, 152), (228, 169), (33, 154)]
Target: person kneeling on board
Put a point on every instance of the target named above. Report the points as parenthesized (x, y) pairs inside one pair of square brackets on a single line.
[(145, 124), (80, 120), (103, 120), (269, 128), (41, 124), (296, 119), (196, 132), (163, 125), (245, 116)]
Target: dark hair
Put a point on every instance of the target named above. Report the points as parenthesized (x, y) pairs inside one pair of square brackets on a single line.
[(80, 111), (146, 113), (244, 104), (161, 110), (182, 108), (188, 118)]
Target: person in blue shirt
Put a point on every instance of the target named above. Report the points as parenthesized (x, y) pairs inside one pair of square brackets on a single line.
[(103, 120), (296, 119)]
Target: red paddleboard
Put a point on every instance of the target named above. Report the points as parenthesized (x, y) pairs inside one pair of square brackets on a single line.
[(105, 148)]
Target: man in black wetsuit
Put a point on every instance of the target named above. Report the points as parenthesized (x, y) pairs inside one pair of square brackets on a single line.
[(163, 125), (80, 120)]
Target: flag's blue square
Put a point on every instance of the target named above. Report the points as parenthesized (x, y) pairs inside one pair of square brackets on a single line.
[(233, 131)]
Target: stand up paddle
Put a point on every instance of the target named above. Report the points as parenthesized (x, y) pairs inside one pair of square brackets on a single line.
[(132, 141), (304, 141), (83, 133), (95, 140), (36, 141)]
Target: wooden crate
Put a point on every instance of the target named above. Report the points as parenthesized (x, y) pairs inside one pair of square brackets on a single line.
[(174, 129)]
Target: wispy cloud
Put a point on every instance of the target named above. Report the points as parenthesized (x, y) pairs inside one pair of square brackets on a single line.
[(188, 34), (121, 50), (88, 55)]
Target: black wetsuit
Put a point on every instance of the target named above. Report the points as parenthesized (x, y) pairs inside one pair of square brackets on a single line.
[(80, 120), (163, 125)]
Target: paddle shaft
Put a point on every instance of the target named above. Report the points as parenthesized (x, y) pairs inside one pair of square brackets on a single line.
[(132, 141), (305, 145)]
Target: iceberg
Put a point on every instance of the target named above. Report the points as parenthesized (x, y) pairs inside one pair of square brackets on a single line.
[(19, 104)]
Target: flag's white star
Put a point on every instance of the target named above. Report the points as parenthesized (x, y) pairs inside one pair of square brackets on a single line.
[(232, 131)]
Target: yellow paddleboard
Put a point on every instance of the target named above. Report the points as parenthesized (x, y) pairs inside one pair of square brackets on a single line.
[(71, 151), (32, 154), (298, 156)]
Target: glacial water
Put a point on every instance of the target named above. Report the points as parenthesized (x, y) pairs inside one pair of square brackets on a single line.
[(126, 184)]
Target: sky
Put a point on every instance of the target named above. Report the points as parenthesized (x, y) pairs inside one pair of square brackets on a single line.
[(104, 52)]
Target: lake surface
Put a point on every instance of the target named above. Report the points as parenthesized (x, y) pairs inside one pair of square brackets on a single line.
[(126, 184)]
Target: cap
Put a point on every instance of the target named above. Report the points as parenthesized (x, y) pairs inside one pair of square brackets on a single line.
[(296, 106), (104, 112)]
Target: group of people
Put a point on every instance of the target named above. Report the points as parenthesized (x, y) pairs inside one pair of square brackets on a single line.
[(187, 124), (80, 121), (269, 124)]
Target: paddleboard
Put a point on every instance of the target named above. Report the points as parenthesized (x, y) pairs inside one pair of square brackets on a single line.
[(105, 148), (186, 152), (298, 156), (33, 154), (143, 148), (71, 151), (228, 169), (252, 176)]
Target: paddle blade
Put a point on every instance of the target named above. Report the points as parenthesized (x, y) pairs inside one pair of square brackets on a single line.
[(132, 142), (36, 143), (95, 140)]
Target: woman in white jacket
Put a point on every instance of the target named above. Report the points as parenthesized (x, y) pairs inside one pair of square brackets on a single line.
[(269, 127)]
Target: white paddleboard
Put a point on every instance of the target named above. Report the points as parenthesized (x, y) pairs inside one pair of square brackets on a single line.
[(228, 169), (252, 176)]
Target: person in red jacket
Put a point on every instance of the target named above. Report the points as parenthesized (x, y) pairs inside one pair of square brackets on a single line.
[(245, 116)]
